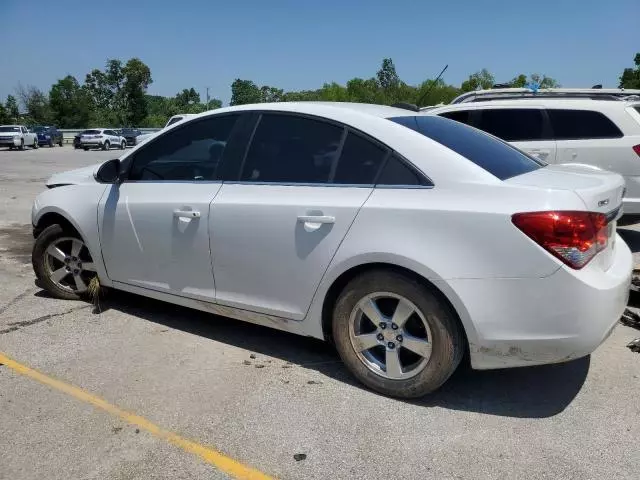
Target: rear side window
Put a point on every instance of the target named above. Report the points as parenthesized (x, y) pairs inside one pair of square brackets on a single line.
[(493, 155), (292, 149), (359, 162), (463, 116), (512, 124), (397, 172), (581, 124)]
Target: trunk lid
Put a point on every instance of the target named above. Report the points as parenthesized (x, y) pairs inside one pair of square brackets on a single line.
[(600, 190)]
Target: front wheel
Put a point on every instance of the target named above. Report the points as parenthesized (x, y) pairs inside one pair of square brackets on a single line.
[(123, 145), (62, 263), (21, 147), (86, 149), (106, 145), (396, 335)]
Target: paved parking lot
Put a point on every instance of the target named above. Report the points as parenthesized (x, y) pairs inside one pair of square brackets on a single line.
[(140, 389)]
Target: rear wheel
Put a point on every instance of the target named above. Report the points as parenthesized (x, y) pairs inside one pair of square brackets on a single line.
[(51, 143), (86, 149), (35, 145), (62, 263), (396, 335)]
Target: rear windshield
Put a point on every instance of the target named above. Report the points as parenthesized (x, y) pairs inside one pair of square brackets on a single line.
[(91, 132), (490, 153)]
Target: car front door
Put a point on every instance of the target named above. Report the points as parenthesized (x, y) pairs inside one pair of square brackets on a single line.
[(280, 217), (154, 225)]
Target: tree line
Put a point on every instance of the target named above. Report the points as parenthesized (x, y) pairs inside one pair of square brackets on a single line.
[(117, 95)]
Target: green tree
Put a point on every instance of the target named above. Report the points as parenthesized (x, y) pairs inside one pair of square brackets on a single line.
[(12, 109), (630, 77), (119, 92), (542, 80), (479, 80), (271, 94), (70, 104), (244, 92), (188, 97), (4, 115)]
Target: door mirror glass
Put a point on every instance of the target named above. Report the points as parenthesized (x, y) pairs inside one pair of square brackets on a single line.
[(109, 172)]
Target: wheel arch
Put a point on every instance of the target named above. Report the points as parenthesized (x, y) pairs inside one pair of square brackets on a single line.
[(438, 286)]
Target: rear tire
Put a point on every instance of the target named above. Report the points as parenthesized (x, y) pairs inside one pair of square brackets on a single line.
[(51, 143), (35, 144), (86, 149), (369, 365)]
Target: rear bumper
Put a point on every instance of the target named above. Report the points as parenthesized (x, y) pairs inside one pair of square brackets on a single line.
[(91, 143), (567, 315)]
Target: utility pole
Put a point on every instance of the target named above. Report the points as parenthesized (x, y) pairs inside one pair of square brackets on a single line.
[(207, 98)]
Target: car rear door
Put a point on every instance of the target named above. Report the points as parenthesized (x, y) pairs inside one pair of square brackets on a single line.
[(154, 226), (281, 214), (525, 127)]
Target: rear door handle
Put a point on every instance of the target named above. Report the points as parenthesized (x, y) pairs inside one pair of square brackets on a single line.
[(316, 219), (186, 214)]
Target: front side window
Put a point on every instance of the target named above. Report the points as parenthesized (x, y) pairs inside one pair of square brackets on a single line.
[(581, 124), (512, 124), (291, 149), (187, 153)]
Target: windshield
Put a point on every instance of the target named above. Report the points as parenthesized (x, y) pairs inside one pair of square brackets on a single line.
[(488, 152), (39, 129), (9, 129), (128, 131)]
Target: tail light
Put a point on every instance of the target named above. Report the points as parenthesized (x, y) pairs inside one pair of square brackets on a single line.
[(573, 237), (636, 148)]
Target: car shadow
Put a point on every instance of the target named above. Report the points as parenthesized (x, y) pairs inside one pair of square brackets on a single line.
[(631, 238), (532, 392)]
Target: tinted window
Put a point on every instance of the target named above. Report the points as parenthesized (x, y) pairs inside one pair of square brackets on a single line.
[(512, 124), (291, 149), (495, 156), (577, 124), (190, 152), (459, 116), (359, 162), (397, 172)]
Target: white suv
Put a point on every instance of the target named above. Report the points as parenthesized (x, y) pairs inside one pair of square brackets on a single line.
[(599, 133), (103, 138)]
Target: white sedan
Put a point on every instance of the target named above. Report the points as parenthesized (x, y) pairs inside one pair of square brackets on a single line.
[(407, 240), (102, 138)]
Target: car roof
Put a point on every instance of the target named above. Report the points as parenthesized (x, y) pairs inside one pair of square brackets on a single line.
[(573, 103), (10, 125), (501, 92), (327, 109)]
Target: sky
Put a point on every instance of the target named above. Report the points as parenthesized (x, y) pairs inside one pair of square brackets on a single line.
[(302, 44)]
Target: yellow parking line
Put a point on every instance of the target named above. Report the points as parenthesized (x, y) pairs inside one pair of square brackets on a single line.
[(217, 459)]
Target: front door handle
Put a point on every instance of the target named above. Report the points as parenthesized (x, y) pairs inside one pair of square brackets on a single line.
[(316, 219), (186, 214)]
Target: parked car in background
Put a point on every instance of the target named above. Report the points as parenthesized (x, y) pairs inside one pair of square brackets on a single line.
[(48, 135), (17, 136), (103, 138), (410, 240), (131, 136), (603, 134), (513, 93), (171, 121)]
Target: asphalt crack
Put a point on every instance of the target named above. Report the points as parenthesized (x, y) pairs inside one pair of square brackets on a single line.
[(26, 323), (16, 299)]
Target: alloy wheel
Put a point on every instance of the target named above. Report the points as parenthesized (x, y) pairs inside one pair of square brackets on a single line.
[(69, 264), (390, 335)]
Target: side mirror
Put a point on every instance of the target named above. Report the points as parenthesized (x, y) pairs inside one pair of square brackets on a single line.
[(109, 172)]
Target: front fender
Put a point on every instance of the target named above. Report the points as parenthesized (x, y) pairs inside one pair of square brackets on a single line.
[(78, 204)]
